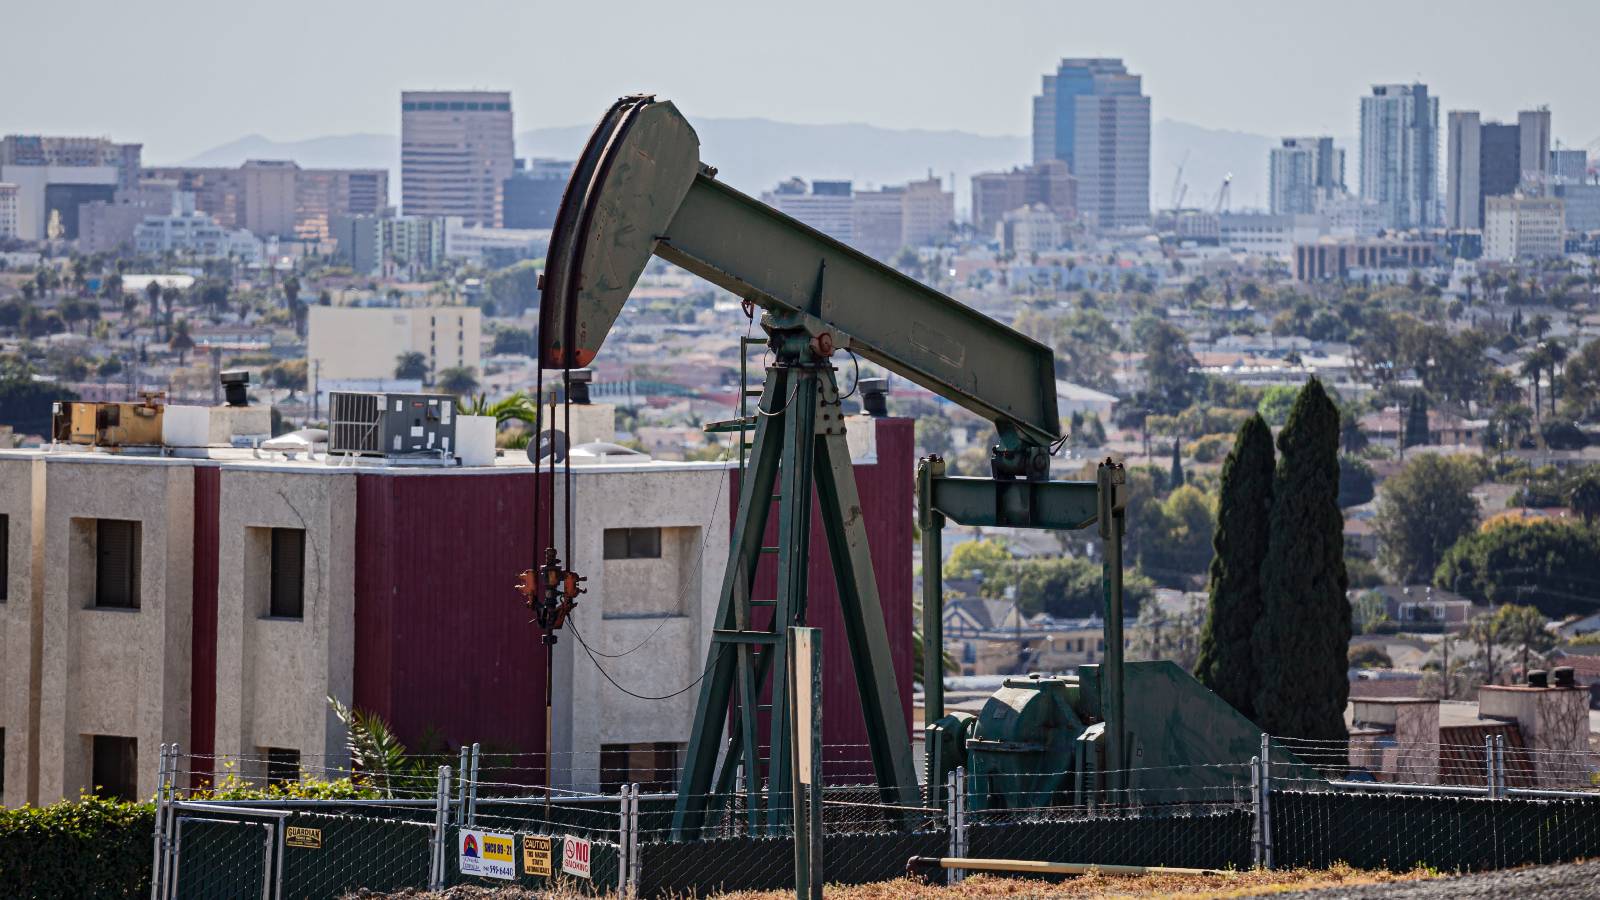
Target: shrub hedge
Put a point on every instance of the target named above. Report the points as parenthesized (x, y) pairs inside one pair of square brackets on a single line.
[(84, 848)]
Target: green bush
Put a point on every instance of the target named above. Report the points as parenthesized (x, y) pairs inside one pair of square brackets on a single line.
[(87, 848)]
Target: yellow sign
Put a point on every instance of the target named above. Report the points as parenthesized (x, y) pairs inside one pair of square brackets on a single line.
[(304, 838), (535, 855)]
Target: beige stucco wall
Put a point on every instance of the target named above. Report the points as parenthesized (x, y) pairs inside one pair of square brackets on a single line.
[(21, 502), (662, 607), (348, 342), (274, 675), (112, 671)]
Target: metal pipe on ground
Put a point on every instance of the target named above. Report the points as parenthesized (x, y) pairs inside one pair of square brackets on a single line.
[(916, 864)]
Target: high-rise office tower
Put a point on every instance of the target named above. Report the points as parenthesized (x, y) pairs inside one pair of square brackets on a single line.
[(1304, 172), (1493, 159), (1534, 149), (1093, 115), (1400, 153), (455, 154)]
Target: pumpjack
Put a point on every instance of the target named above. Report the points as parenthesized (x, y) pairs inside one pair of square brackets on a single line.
[(640, 190)]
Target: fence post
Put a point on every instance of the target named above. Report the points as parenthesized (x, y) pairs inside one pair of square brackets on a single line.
[(461, 786), (959, 875), (1266, 799), (472, 790), (174, 765), (158, 849), (1257, 858), (441, 826), (624, 850), (1500, 766), (952, 843), (635, 866)]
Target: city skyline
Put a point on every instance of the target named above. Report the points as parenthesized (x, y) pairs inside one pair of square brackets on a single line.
[(1191, 58)]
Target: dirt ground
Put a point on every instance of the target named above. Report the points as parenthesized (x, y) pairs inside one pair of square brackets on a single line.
[(1191, 887)]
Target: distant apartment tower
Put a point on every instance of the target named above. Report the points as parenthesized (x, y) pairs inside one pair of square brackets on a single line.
[(277, 198), (915, 214), (533, 192), (1569, 166), (1400, 153), (1493, 159), (827, 206), (1093, 115), (1049, 184), (456, 152), (8, 210), (390, 246), (1522, 229), (35, 150), (1304, 173)]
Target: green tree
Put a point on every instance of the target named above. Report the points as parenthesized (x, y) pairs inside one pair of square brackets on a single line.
[(458, 380), (1169, 368), (1302, 637), (1526, 629), (1176, 478), (517, 341), (1276, 401), (1368, 612), (181, 342), (933, 435), (1227, 663), (411, 365), (1585, 495), (1369, 656), (1422, 511), (1356, 485), (984, 557), (1553, 566), (290, 375)]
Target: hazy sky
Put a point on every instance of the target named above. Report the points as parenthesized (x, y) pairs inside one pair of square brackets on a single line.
[(186, 75)]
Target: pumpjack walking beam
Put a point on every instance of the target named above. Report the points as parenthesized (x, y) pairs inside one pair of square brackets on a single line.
[(639, 190)]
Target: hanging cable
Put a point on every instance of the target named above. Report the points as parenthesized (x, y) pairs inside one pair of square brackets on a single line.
[(607, 675), (857, 382)]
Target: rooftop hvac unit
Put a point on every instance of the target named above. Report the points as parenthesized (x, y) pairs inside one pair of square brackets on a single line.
[(392, 425)]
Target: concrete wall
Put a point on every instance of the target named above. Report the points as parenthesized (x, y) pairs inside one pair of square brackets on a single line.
[(113, 671), (274, 675), (22, 503)]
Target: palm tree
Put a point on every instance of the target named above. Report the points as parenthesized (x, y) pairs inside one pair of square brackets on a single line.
[(517, 407), (291, 291), (1532, 368), (1467, 281), (152, 294), (1556, 352), (181, 342)]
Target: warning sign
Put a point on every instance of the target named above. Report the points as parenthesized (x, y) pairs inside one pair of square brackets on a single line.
[(488, 855), (575, 857), (535, 855), (304, 838)]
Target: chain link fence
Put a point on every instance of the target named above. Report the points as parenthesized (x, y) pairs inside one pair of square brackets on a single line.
[(329, 831)]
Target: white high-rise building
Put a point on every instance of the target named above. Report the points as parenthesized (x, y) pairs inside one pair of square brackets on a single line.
[(456, 152), (8, 210), (1400, 153), (1533, 127), (1520, 229), (1305, 173), (1093, 115)]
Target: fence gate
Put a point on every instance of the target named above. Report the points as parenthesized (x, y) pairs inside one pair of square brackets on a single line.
[(219, 852)]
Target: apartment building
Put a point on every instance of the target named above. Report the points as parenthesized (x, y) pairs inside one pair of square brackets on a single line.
[(1400, 153), (1521, 229), (1304, 173), (1047, 183), (278, 198), (8, 210), (217, 599), (362, 342), (456, 152)]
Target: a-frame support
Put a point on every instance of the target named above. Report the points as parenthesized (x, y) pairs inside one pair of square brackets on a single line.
[(799, 445)]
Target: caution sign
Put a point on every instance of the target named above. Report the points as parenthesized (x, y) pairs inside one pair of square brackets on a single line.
[(304, 838), (535, 855), (488, 855), (575, 857)]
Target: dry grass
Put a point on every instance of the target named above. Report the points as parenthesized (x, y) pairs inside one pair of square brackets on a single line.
[(1254, 883)]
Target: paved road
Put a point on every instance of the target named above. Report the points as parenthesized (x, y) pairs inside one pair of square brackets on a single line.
[(1540, 883)]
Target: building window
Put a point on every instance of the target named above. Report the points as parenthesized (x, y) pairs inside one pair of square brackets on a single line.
[(116, 572), (653, 766), (115, 767), (283, 765), (288, 600), (633, 543)]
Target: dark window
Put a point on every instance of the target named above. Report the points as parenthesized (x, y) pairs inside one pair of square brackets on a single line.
[(654, 766), (116, 574), (115, 767), (288, 573), (633, 543), (5, 557), (283, 765)]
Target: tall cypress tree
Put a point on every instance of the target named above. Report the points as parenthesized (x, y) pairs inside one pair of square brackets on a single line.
[(1416, 426), (1227, 663), (1303, 635), (1176, 477)]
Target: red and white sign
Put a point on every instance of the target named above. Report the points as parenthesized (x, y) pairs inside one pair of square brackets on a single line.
[(575, 857)]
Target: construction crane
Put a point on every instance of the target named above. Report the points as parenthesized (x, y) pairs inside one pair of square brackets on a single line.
[(1179, 188), (1222, 194), (639, 189)]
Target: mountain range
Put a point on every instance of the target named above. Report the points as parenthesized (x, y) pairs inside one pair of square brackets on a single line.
[(754, 154)]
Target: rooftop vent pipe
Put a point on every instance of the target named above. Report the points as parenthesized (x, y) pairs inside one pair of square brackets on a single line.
[(875, 397), (1538, 678), (235, 383)]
